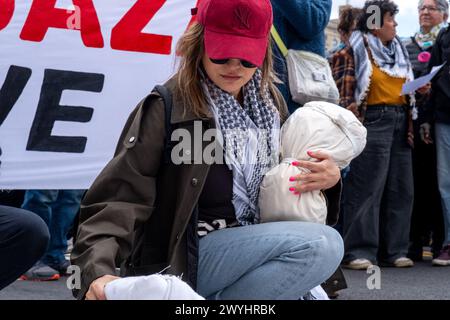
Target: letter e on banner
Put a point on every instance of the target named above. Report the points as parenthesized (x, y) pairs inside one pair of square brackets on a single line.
[(127, 34), (43, 15), (49, 110)]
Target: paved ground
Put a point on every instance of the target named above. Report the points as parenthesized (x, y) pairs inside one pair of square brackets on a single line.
[(422, 282)]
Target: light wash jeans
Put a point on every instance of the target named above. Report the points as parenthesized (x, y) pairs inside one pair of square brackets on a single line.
[(443, 169), (269, 261), (58, 209)]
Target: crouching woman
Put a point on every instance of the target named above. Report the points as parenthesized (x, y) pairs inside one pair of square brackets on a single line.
[(148, 213)]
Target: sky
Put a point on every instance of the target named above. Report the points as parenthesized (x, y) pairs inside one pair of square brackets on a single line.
[(407, 18)]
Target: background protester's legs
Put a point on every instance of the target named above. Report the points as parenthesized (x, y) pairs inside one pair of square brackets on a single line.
[(58, 209), (427, 217), (443, 168), (23, 240), (363, 190), (395, 214), (64, 210), (40, 202), (281, 260)]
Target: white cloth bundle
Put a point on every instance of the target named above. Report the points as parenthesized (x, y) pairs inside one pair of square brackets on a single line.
[(316, 126), (153, 287)]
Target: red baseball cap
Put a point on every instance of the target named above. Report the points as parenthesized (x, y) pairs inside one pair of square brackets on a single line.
[(236, 29)]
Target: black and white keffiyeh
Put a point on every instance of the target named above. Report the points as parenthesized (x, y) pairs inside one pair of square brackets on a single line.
[(250, 137), (392, 59)]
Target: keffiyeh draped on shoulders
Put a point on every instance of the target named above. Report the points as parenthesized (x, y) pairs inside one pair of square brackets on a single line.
[(250, 139)]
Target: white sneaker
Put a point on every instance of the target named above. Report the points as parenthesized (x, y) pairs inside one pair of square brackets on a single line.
[(403, 262), (358, 264)]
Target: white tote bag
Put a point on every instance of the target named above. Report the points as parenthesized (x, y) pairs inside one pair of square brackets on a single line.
[(310, 76)]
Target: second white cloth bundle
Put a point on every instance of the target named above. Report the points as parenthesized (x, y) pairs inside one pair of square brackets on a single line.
[(316, 126), (153, 287)]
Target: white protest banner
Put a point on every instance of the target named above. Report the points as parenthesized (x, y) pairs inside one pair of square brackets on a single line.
[(71, 71)]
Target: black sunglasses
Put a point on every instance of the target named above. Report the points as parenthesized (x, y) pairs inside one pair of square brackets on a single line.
[(244, 63)]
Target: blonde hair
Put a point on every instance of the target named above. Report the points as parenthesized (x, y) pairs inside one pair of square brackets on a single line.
[(191, 49)]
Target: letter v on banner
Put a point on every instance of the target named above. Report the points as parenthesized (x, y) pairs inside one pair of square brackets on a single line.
[(127, 34), (6, 12), (43, 15)]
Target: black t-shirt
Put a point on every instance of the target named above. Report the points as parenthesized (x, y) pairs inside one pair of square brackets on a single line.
[(216, 198)]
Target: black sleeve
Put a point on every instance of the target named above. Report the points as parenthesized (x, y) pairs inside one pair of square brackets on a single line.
[(427, 114), (333, 196)]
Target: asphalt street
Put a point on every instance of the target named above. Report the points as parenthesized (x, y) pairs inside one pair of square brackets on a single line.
[(422, 282)]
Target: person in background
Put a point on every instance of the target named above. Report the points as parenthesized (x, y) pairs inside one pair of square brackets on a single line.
[(301, 25), (427, 218), (348, 21), (437, 115), (378, 190), (58, 209), (23, 240)]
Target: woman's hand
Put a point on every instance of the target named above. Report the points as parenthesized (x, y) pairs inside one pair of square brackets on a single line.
[(97, 288), (425, 133), (324, 174)]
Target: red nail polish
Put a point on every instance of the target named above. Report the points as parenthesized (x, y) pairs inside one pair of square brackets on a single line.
[(297, 193), (292, 189), (295, 163), (292, 179)]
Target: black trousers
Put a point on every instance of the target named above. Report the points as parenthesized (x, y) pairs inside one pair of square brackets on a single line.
[(23, 240), (427, 221)]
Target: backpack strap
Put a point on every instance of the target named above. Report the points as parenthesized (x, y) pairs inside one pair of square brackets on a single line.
[(276, 37), (166, 95)]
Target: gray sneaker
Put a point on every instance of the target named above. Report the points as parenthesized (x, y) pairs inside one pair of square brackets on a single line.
[(40, 272)]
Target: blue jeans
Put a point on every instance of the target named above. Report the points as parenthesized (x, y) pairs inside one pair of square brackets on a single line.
[(378, 190), (58, 209), (269, 261), (443, 169)]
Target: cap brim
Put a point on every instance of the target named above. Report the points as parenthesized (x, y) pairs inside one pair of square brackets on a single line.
[(226, 46)]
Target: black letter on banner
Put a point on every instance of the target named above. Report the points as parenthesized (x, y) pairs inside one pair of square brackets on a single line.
[(49, 110), (16, 80)]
